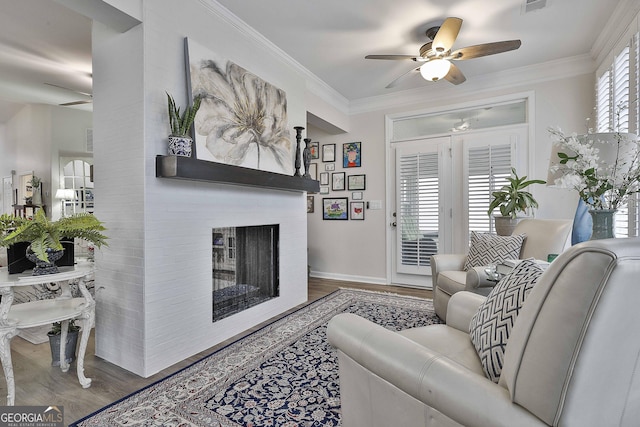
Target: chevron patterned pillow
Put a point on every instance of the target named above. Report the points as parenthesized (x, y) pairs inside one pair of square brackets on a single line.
[(488, 249), (491, 325)]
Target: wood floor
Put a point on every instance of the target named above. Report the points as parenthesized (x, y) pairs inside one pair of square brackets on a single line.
[(38, 383)]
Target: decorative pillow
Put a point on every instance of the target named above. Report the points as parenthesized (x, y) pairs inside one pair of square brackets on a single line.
[(488, 249), (491, 325)]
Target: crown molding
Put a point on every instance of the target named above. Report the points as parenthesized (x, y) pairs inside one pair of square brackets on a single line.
[(552, 70), (313, 83), (625, 13)]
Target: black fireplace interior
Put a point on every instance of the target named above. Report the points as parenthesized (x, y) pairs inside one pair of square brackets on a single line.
[(245, 268)]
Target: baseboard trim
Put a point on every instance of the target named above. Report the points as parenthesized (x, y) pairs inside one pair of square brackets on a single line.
[(349, 278)]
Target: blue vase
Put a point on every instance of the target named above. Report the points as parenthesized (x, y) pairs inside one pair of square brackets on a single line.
[(582, 224)]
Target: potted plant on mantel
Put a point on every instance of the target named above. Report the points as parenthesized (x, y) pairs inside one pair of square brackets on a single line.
[(44, 236), (512, 199), (180, 122)]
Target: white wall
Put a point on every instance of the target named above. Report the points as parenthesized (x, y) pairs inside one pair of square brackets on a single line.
[(155, 308), (360, 246)]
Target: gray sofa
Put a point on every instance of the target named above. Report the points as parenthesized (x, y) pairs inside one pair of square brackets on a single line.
[(544, 237), (572, 359)]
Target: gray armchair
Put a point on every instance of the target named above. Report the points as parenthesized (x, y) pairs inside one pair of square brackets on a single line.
[(572, 359), (544, 237)]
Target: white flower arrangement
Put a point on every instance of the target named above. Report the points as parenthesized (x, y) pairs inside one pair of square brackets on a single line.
[(603, 168)]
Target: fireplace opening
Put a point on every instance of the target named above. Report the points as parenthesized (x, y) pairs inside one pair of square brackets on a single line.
[(245, 268)]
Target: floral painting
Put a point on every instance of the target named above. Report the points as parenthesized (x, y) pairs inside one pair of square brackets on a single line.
[(242, 120)]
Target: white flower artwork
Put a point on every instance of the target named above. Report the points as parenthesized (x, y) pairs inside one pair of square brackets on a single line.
[(242, 120)]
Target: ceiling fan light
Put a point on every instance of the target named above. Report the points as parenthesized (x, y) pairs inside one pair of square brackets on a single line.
[(435, 69)]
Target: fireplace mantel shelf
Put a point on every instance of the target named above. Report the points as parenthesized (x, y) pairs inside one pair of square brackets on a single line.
[(177, 167)]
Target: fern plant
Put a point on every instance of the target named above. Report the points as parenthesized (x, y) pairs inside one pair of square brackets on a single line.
[(180, 122), (43, 234)]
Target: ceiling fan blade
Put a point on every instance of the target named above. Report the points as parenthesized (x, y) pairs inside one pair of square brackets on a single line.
[(485, 49), (70, 90), (455, 76), (402, 77), (68, 104), (392, 57), (446, 35)]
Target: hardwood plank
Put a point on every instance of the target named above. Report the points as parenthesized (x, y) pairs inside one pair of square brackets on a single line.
[(38, 383)]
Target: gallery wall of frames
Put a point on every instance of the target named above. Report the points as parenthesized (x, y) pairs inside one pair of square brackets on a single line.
[(341, 186)]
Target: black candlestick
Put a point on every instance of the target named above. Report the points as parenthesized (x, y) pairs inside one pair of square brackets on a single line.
[(299, 130), (306, 157)]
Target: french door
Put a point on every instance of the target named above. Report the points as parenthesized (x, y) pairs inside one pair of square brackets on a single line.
[(422, 172), (441, 191)]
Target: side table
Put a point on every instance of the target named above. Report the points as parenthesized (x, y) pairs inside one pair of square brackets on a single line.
[(64, 308)]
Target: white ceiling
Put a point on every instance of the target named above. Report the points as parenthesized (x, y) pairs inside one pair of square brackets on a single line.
[(43, 42)]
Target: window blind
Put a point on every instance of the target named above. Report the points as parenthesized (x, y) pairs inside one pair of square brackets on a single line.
[(489, 168), (419, 208)]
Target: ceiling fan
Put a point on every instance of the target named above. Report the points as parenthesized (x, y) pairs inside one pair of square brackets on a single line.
[(436, 55), (80, 102)]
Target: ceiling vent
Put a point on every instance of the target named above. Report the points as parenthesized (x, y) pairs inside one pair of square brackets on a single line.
[(531, 5)]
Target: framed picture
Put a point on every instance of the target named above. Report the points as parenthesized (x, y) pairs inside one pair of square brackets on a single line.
[(356, 182), (315, 150), (324, 190), (356, 195), (351, 154), (329, 153), (313, 171), (324, 178), (337, 181), (335, 208), (357, 211), (330, 167), (310, 204)]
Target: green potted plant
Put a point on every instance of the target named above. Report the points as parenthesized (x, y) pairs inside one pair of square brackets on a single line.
[(55, 337), (180, 123), (512, 199), (44, 236)]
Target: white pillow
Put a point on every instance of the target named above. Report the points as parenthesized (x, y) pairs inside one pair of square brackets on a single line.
[(491, 325), (488, 249)]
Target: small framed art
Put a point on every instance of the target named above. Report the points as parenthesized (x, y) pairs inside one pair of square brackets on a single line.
[(356, 182), (356, 195), (329, 153), (330, 167), (357, 211), (324, 178), (313, 171), (310, 204), (335, 208), (351, 153), (315, 150), (337, 181), (324, 190)]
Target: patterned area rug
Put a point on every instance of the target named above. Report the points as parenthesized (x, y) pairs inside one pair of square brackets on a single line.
[(285, 374)]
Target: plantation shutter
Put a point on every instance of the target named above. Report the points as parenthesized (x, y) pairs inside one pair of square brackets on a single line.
[(418, 206), (617, 92), (489, 168)]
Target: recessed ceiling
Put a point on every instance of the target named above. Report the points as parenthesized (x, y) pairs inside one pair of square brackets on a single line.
[(43, 42)]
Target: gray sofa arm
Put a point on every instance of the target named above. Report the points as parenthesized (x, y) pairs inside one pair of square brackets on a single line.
[(446, 262), (440, 383), (462, 306), (477, 278)]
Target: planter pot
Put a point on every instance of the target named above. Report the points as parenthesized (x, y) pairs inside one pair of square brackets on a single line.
[(603, 223), (70, 347), (505, 225), (180, 146), (43, 267)]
